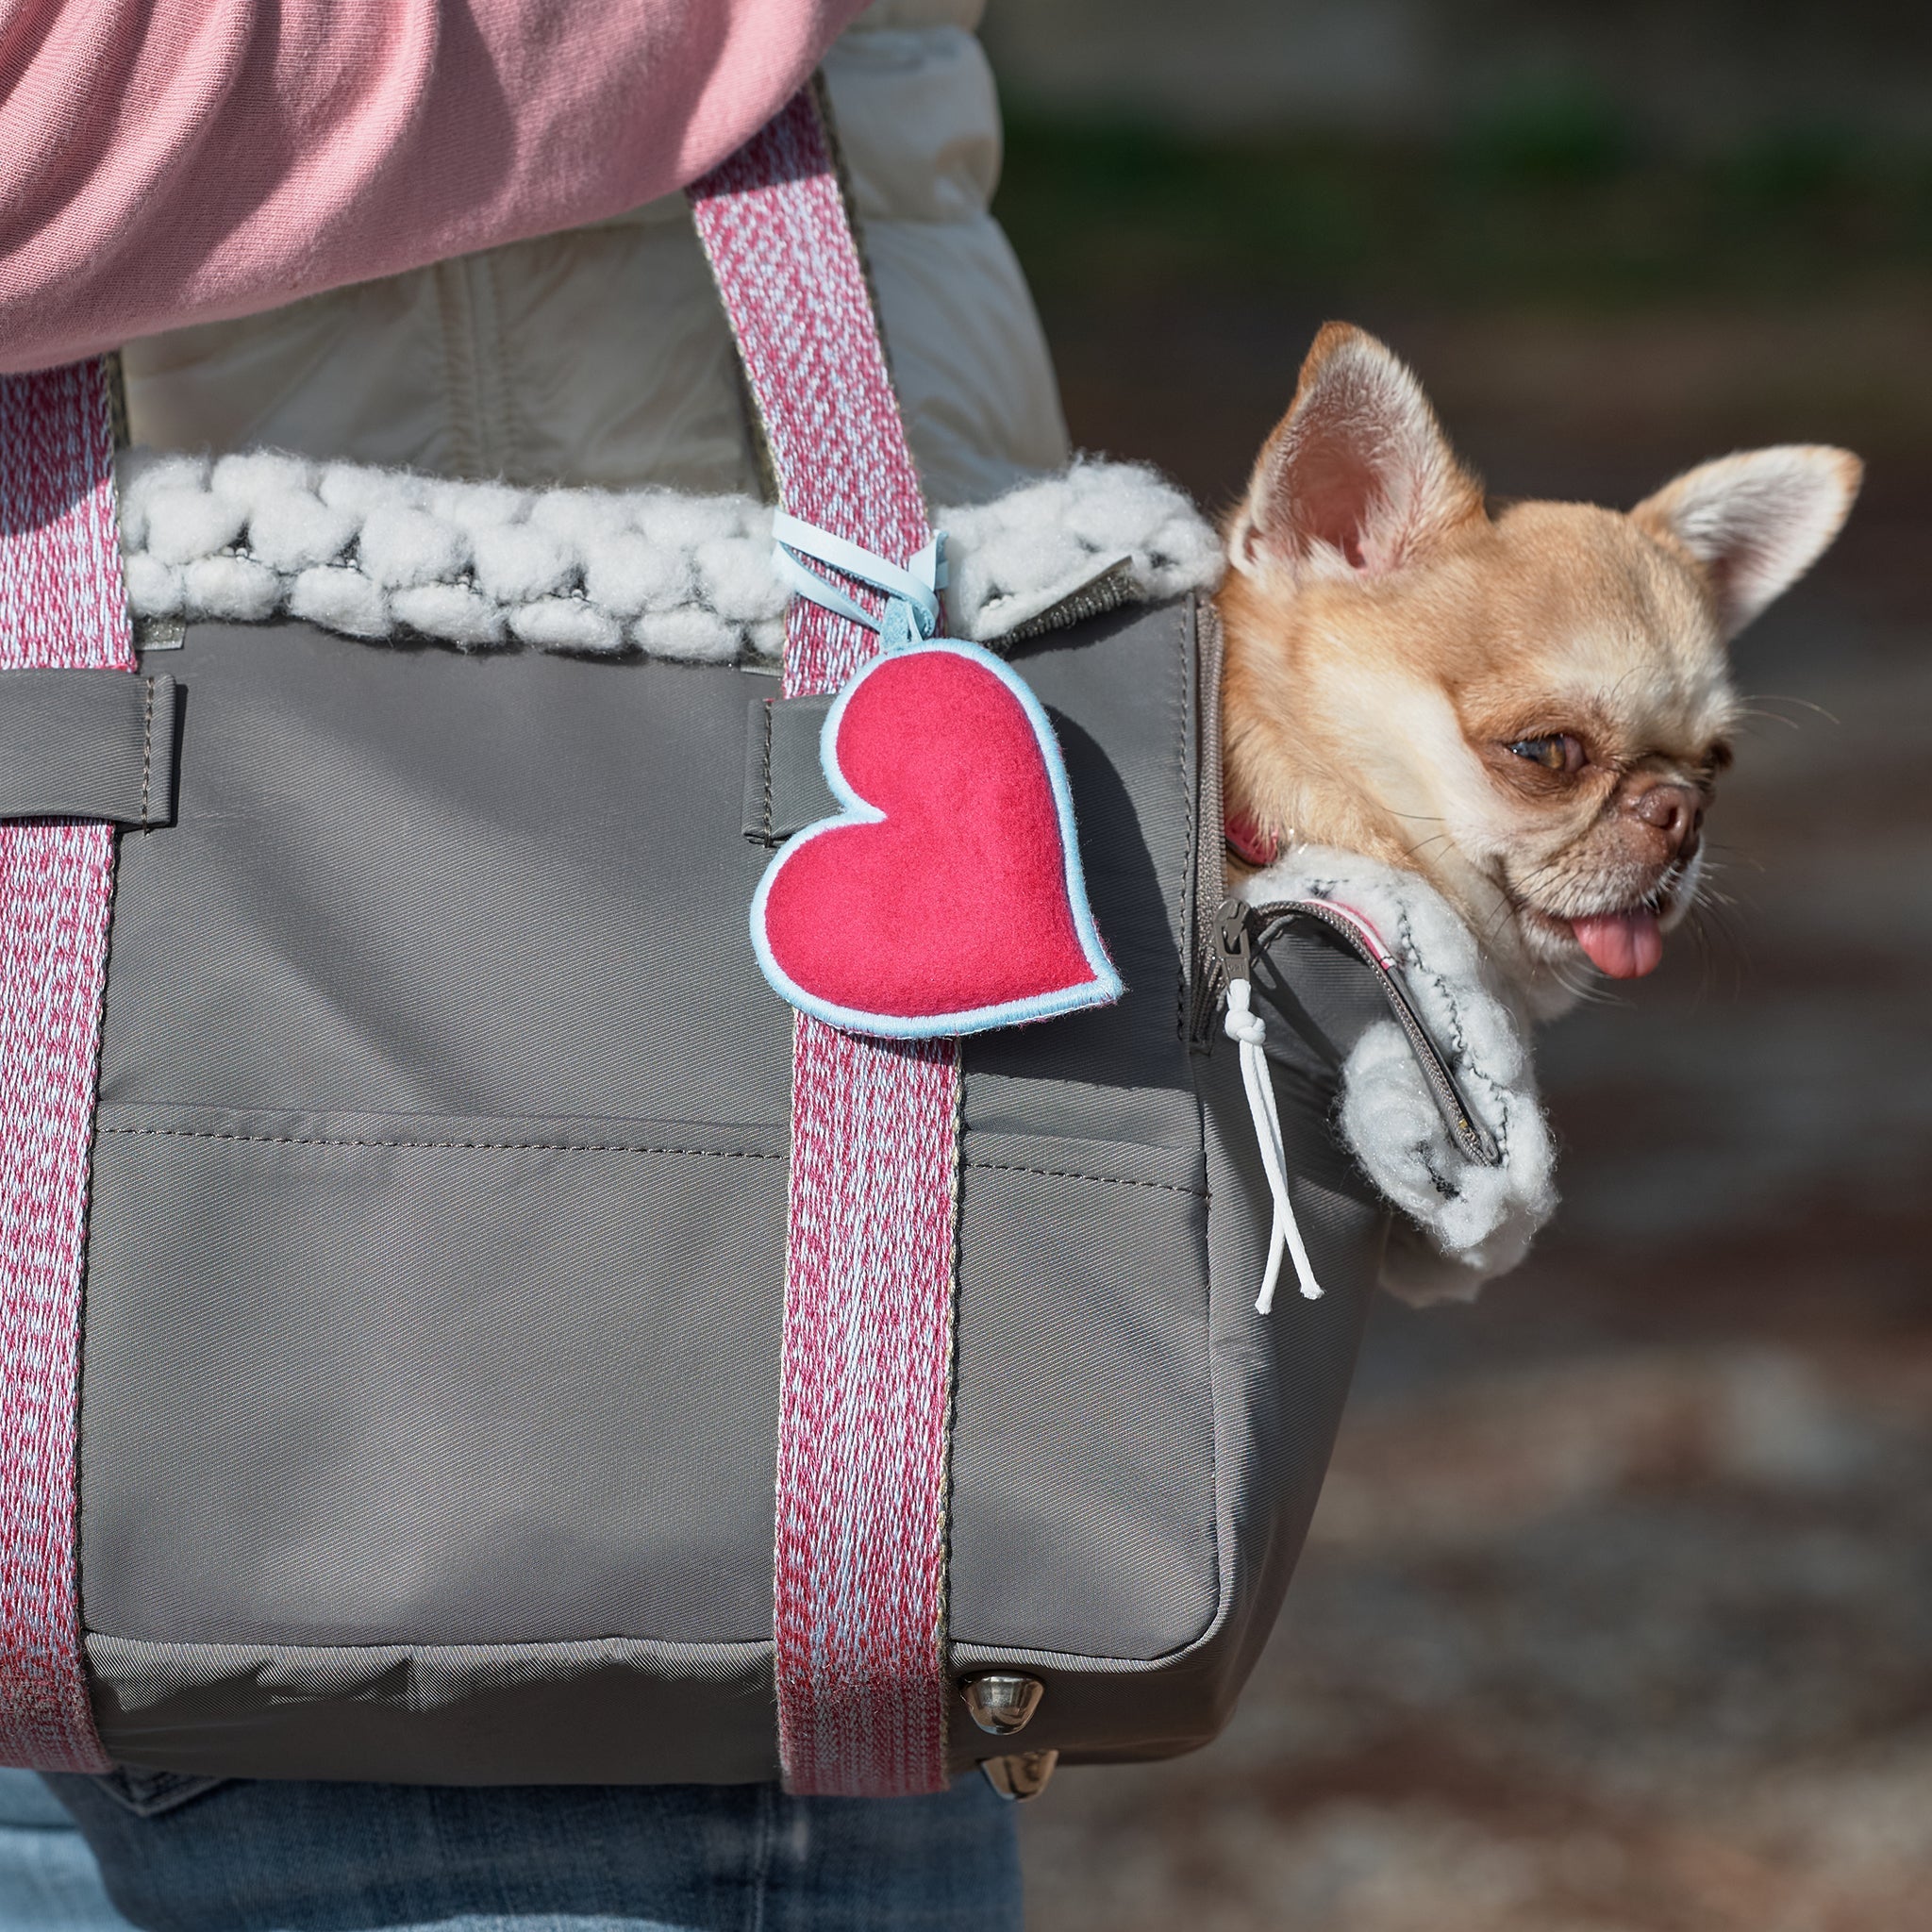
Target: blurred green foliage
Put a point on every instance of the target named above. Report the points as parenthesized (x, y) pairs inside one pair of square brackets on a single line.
[(1548, 197), (1557, 133)]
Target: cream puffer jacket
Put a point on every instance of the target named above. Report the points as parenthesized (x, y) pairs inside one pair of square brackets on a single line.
[(601, 356)]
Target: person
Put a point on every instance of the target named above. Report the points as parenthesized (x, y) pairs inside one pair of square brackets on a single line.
[(453, 239), (462, 250)]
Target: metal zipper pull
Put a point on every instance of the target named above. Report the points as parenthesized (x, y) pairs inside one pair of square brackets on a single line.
[(1233, 948)]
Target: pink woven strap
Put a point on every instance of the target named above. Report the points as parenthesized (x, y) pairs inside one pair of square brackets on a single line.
[(61, 605), (865, 1386)]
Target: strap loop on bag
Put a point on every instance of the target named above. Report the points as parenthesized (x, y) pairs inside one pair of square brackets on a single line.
[(87, 744)]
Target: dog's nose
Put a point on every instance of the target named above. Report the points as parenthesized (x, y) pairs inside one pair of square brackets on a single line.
[(1676, 811)]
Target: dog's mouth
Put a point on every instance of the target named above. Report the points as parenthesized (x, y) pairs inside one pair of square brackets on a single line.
[(1622, 943), (1625, 946)]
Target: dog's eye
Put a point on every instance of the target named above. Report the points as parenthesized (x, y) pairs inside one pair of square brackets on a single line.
[(1560, 753)]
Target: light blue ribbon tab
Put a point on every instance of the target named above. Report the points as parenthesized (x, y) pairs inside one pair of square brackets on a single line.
[(913, 609)]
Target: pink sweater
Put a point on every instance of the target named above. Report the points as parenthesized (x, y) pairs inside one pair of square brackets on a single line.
[(166, 161)]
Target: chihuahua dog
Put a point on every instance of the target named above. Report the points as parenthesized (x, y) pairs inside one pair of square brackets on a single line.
[(1526, 703)]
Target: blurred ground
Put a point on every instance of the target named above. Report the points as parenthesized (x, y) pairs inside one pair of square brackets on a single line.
[(1617, 1614)]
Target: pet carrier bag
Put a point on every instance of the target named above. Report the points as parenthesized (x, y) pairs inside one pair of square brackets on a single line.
[(461, 1324)]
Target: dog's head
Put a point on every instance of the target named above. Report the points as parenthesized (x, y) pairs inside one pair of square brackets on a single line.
[(1527, 703)]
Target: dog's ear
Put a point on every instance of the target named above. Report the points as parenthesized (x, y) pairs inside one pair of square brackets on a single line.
[(1357, 479), (1754, 523)]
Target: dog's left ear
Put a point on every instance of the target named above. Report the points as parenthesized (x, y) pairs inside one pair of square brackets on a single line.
[(1357, 479), (1756, 523)]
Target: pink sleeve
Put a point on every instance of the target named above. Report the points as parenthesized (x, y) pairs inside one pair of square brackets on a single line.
[(165, 162)]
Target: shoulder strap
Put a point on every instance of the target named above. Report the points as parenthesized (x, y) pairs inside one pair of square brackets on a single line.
[(62, 606), (865, 1384)]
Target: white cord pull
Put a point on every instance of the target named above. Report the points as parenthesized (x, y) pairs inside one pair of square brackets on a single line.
[(1244, 1028)]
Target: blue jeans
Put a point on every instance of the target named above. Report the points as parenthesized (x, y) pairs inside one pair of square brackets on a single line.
[(48, 1879), (187, 1856)]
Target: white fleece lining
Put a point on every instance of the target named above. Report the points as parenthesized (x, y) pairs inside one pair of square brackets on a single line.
[(382, 554), (1477, 1221)]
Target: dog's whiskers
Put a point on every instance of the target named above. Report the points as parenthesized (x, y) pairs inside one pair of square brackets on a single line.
[(1774, 697)]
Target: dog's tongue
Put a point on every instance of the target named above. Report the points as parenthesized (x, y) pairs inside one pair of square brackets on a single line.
[(1627, 946)]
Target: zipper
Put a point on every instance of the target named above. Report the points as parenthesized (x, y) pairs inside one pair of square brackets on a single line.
[(1211, 848), (1233, 957)]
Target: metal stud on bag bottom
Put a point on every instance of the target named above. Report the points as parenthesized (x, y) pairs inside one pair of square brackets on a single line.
[(1002, 1702), (1021, 1777)]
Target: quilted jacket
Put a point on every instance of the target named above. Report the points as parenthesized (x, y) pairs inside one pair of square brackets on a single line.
[(600, 355)]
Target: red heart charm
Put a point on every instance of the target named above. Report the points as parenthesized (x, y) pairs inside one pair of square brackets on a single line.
[(947, 896)]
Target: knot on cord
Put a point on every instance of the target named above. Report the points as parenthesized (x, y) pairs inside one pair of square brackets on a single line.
[(1244, 1025)]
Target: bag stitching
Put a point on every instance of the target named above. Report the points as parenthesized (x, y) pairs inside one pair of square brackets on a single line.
[(147, 749), (1109, 1180), (475, 1146), (770, 840), (605, 1147), (1181, 683)]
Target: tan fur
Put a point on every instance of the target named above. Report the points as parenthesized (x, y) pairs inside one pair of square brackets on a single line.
[(1388, 637)]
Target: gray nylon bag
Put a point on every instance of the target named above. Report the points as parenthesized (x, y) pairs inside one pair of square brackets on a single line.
[(435, 1261)]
